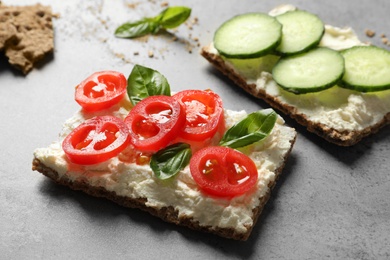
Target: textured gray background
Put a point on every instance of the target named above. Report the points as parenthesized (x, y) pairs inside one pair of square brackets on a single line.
[(330, 202)]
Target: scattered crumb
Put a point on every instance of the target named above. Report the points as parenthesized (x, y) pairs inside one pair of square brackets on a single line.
[(370, 33), (190, 24), (188, 45), (133, 5), (384, 39), (122, 57), (143, 39), (94, 23), (163, 50)]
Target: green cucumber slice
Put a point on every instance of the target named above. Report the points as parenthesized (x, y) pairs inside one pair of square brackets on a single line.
[(301, 31), (367, 69), (312, 71), (250, 35)]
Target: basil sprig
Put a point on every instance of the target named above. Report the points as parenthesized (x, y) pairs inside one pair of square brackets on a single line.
[(170, 160), (255, 127), (169, 18), (144, 82)]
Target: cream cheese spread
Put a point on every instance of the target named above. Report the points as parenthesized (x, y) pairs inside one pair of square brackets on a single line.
[(181, 192), (337, 108)]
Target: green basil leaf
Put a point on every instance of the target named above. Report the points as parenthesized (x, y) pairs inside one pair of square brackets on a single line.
[(169, 161), (137, 29), (174, 16), (255, 127), (169, 18), (144, 82)]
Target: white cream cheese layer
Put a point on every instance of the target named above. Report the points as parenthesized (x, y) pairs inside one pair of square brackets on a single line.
[(181, 192), (338, 108)]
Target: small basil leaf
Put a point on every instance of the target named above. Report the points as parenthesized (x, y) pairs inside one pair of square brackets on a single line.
[(144, 82), (174, 16), (169, 18), (137, 29), (255, 127), (169, 161)]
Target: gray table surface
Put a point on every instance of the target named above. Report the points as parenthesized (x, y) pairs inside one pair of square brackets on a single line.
[(330, 202)]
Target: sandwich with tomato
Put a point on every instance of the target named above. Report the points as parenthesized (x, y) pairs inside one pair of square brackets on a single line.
[(180, 156)]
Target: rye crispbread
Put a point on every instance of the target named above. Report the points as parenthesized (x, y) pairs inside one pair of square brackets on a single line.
[(332, 135), (168, 214), (26, 34)]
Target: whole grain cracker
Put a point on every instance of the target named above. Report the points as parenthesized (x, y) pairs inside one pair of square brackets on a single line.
[(26, 34)]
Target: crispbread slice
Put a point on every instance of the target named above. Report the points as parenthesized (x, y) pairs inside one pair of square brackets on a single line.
[(331, 134), (168, 214), (26, 34), (51, 162)]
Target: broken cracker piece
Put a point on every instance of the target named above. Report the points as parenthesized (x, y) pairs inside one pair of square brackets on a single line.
[(26, 34)]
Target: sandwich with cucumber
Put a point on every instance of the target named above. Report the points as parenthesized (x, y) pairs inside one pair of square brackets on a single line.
[(322, 76)]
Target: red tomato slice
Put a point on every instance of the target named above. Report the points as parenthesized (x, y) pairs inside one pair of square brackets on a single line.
[(222, 171), (204, 116), (96, 140), (101, 90), (154, 122)]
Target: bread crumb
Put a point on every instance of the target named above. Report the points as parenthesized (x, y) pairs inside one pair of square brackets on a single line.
[(384, 39), (143, 39), (370, 33), (164, 4), (133, 5), (150, 54)]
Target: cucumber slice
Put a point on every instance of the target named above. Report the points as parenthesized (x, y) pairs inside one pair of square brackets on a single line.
[(301, 31), (312, 71), (250, 35), (367, 69)]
